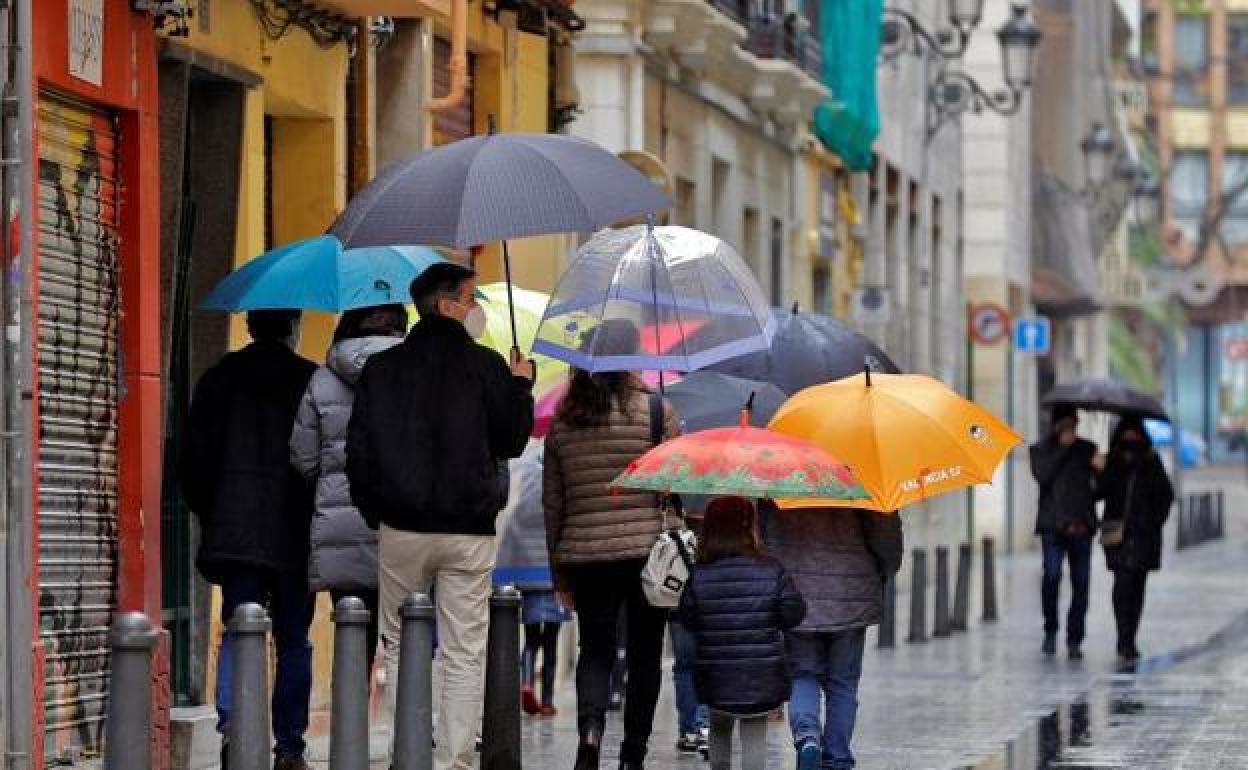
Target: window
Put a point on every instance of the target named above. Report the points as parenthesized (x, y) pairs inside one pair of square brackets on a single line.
[(821, 280), (749, 236), (1191, 61), (1237, 59), (686, 203), (1189, 191), (1234, 178)]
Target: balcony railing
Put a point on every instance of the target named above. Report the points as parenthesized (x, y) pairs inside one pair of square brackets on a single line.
[(739, 10), (781, 38)]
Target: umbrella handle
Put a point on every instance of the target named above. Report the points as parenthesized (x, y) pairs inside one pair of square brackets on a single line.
[(511, 300)]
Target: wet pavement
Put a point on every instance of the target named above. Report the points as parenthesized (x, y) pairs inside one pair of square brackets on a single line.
[(987, 699)]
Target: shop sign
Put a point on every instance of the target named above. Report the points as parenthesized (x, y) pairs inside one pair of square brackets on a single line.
[(86, 40)]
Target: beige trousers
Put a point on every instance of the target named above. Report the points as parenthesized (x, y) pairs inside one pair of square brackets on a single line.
[(458, 569)]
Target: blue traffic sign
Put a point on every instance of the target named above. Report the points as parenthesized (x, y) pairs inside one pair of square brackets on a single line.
[(1033, 335)]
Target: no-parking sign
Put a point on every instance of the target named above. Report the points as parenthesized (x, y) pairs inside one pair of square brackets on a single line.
[(989, 323)]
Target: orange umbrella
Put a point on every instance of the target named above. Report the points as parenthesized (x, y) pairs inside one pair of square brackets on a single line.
[(906, 437)]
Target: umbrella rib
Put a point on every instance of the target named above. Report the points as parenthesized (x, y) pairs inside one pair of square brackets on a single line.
[(579, 202), (968, 459)]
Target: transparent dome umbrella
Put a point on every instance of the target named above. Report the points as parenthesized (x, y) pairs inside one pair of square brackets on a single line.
[(690, 291)]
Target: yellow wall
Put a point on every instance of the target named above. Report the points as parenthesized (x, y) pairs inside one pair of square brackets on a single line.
[(1192, 128)]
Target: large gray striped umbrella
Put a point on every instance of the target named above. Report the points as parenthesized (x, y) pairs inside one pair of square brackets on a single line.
[(496, 187)]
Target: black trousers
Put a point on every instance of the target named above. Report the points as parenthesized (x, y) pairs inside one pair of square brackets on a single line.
[(601, 590), (1129, 587)]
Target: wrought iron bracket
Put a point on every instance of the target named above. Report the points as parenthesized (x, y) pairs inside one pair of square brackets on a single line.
[(902, 31), (952, 93)]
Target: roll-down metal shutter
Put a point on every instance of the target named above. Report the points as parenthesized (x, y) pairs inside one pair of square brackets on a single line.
[(78, 393)]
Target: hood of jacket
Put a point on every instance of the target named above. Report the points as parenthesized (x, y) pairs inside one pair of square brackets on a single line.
[(347, 358)]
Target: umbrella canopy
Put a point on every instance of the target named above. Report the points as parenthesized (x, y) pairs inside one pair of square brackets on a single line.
[(1106, 396), (496, 187), (809, 349), (744, 460), (906, 437), (318, 274), (1193, 450), (670, 281), (713, 400)]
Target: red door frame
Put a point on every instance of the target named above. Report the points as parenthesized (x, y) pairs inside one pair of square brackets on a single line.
[(130, 86)]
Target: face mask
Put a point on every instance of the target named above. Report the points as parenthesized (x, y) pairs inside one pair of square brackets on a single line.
[(474, 322)]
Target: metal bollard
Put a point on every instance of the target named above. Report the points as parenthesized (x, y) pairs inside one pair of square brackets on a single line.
[(990, 583), (962, 591), (888, 621), (940, 623), (918, 597), (130, 693), (248, 731), (348, 726), (413, 712), (1180, 537), (500, 735)]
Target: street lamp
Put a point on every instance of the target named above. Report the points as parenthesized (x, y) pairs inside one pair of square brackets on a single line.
[(1019, 38), (901, 30), (1146, 199), (1098, 152), (951, 93)]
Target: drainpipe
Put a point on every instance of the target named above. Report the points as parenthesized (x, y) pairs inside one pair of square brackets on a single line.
[(18, 186), (459, 60), (6, 256)]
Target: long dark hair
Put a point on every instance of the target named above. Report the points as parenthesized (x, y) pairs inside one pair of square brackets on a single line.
[(730, 528), (591, 397)]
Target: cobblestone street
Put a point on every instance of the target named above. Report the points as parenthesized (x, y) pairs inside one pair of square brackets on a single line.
[(987, 699)]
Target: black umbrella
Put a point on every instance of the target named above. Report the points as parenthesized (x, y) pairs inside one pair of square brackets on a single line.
[(495, 187), (705, 400), (809, 349), (1105, 396)]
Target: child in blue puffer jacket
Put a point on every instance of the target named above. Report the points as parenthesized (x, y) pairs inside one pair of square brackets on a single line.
[(738, 604)]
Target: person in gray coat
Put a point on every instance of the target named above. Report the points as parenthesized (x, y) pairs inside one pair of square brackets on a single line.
[(840, 559), (343, 554)]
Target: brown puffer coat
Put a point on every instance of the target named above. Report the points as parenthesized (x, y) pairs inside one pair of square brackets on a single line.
[(587, 521)]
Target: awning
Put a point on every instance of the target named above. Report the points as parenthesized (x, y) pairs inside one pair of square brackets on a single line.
[(1065, 278)]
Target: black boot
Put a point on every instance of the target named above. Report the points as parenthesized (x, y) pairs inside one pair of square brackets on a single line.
[(590, 746), (626, 765)]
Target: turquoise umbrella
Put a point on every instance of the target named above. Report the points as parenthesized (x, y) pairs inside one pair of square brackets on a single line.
[(319, 274)]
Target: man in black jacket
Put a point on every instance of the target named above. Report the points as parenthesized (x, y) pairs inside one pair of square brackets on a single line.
[(435, 419), (1065, 467), (254, 510)]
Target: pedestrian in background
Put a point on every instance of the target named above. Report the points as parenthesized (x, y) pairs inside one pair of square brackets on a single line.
[(692, 718), (737, 605), (1138, 496), (254, 511), (435, 417), (524, 562), (840, 560), (343, 548), (599, 540), (1065, 467)]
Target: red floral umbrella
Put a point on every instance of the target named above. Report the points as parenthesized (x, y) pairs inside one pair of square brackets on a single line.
[(746, 461)]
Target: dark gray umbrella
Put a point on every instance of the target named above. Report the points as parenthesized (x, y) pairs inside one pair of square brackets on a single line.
[(496, 187), (1105, 396), (705, 400), (809, 349)]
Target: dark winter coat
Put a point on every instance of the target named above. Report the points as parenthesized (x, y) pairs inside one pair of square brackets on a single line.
[(1142, 492), (434, 418), (343, 552), (253, 508), (839, 559), (1067, 485), (738, 610)]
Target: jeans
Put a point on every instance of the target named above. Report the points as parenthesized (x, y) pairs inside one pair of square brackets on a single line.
[(458, 567), (1129, 585), (291, 606), (600, 590), (691, 716), (1058, 548), (753, 741), (829, 665)]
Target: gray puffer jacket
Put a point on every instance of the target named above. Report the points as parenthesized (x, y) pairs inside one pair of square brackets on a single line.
[(839, 558), (343, 552)]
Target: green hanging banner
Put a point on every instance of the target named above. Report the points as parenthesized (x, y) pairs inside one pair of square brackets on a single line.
[(850, 120)]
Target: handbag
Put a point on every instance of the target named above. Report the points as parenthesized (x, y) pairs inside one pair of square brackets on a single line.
[(670, 563), (1114, 531)]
